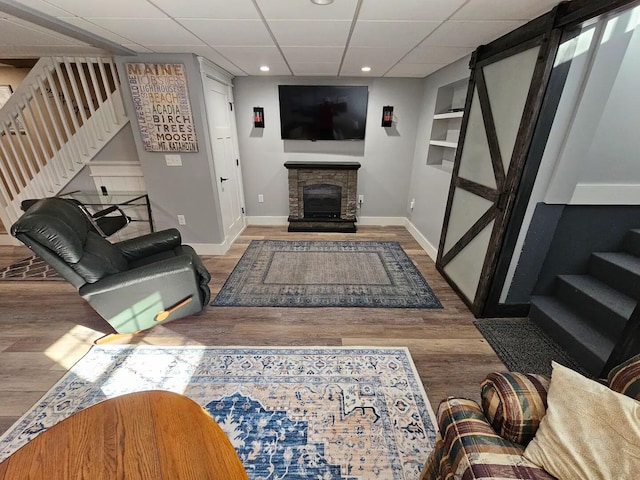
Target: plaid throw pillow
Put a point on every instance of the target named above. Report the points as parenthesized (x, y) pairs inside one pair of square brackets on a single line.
[(625, 378), (514, 404)]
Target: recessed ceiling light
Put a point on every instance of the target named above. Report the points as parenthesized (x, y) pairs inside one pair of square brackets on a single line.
[(366, 69), (264, 68), (322, 2)]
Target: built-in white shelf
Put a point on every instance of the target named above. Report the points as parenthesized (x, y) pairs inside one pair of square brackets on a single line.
[(443, 143), (446, 116), (446, 124)]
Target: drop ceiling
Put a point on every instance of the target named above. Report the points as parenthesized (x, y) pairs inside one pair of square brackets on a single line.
[(396, 38)]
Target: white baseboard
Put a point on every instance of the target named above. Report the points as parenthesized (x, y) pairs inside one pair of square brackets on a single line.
[(210, 248), (381, 221), (606, 194), (216, 248), (284, 220), (364, 221), (421, 239)]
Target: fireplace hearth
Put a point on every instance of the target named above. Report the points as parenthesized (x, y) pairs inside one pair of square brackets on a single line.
[(322, 196)]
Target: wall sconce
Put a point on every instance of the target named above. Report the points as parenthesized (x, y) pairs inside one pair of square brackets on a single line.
[(258, 117), (387, 116)]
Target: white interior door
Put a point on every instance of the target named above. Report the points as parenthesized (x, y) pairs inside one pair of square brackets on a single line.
[(225, 158)]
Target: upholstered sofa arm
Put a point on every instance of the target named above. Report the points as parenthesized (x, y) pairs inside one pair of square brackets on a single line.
[(149, 244), (469, 448), (514, 404)]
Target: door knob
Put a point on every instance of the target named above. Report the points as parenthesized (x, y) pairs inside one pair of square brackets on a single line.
[(223, 179)]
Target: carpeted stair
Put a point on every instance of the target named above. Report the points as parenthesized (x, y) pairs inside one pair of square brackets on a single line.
[(587, 314)]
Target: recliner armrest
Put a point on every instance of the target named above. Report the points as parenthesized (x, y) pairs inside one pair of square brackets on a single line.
[(164, 269), (131, 301), (150, 244)]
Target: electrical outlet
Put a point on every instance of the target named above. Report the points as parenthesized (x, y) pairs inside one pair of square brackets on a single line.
[(412, 204), (173, 160), (360, 198), (182, 220), (260, 198)]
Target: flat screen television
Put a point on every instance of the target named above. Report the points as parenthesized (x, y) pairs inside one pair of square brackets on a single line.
[(322, 112)]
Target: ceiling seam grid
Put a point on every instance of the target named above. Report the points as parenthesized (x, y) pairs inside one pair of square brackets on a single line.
[(431, 33)]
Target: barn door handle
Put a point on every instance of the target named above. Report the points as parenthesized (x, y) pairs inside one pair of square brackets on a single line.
[(223, 179)]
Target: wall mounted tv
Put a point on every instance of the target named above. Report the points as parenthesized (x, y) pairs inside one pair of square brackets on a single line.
[(322, 112)]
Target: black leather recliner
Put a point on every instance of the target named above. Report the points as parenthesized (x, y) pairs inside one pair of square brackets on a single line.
[(132, 284), (106, 222)]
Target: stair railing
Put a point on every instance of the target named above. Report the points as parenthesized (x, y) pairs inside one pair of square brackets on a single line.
[(65, 110)]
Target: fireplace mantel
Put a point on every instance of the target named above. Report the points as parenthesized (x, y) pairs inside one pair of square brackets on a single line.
[(324, 165), (303, 175)]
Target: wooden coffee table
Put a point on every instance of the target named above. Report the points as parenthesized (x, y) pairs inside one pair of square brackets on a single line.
[(144, 435)]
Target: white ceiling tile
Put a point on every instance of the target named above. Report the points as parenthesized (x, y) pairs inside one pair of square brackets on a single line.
[(61, 39), (137, 48), (305, 10), (348, 71), (219, 59), (153, 31), (110, 8), (221, 9), (313, 54), (428, 54), (202, 51), (408, 9), (250, 59), (27, 51), (315, 69), (390, 34), (44, 7), (229, 32), (469, 34), (365, 55), (504, 9), (379, 59), (93, 28), (311, 37), (414, 69), (19, 32), (308, 33)]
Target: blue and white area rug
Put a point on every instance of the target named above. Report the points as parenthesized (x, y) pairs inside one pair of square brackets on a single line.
[(291, 413), (279, 273)]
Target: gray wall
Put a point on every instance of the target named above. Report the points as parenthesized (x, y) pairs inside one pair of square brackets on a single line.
[(121, 148), (598, 159), (591, 156), (386, 154), (430, 183), (189, 190)]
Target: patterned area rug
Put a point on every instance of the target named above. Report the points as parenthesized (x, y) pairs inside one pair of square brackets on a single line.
[(32, 268), (275, 273), (291, 413), (523, 346)]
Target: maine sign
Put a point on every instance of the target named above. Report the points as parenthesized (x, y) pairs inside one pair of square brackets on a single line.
[(161, 100)]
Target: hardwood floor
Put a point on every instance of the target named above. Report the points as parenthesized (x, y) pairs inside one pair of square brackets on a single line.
[(45, 327)]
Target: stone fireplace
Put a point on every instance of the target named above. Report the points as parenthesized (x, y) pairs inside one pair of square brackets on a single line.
[(322, 196)]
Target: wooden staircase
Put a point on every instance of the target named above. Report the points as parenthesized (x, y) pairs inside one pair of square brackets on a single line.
[(595, 316), (63, 113)]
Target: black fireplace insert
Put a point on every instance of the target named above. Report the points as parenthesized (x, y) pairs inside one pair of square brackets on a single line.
[(322, 201)]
